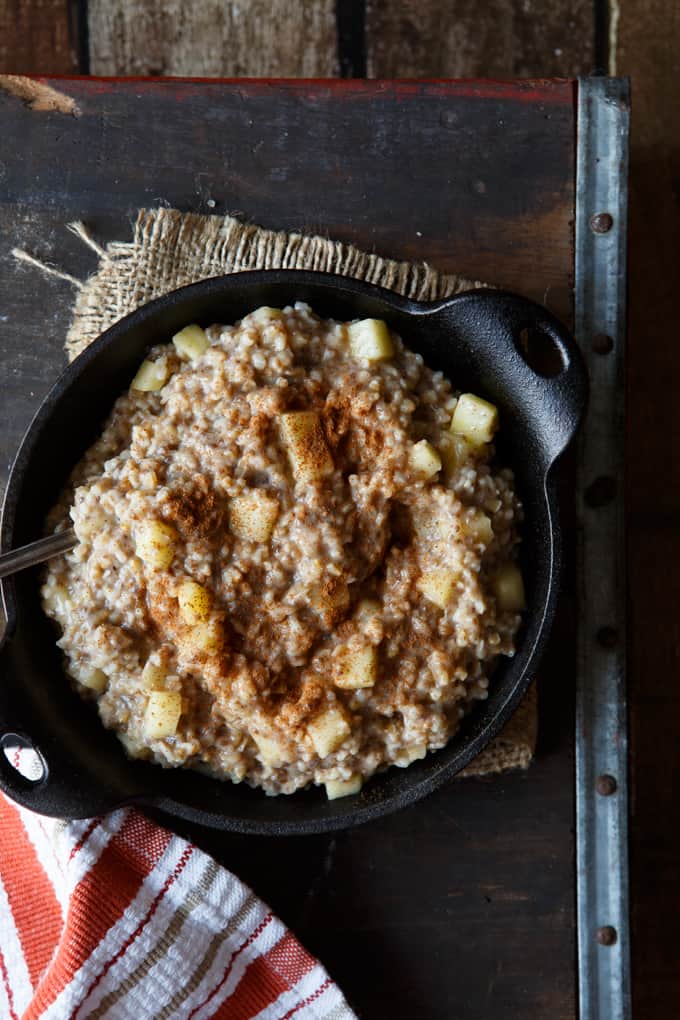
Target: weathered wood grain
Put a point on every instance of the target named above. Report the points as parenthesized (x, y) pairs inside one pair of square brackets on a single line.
[(463, 905), (411, 171), (497, 38), (39, 37), (351, 29), (646, 42), (459, 908), (214, 38)]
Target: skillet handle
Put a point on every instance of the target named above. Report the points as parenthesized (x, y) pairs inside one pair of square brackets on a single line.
[(50, 785), (30, 792), (53, 784), (516, 343), (14, 783), (14, 741)]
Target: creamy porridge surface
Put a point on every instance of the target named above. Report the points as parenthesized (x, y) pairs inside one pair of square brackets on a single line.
[(296, 558)]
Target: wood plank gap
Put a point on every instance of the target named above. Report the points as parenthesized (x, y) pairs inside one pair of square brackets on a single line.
[(80, 32), (600, 36), (350, 18)]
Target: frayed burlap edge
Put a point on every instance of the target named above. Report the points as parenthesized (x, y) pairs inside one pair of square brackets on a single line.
[(170, 249)]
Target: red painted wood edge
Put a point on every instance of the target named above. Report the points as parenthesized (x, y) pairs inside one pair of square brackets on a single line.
[(560, 91)]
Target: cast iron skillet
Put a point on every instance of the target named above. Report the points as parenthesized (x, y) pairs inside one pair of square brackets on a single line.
[(475, 339)]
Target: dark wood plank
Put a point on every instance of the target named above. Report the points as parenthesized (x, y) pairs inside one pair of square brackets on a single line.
[(458, 907), (39, 37), (486, 205), (646, 47), (463, 905), (425, 38), (254, 38)]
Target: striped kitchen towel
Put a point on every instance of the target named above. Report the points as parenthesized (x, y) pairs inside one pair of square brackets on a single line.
[(116, 917)]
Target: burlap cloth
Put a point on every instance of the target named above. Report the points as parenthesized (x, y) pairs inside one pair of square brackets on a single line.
[(170, 249)]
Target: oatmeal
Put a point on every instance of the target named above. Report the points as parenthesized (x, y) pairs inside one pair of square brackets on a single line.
[(296, 558)]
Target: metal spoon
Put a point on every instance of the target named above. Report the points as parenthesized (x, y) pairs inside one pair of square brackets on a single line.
[(37, 552)]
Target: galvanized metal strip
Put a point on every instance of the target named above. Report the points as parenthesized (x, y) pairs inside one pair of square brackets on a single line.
[(601, 722)]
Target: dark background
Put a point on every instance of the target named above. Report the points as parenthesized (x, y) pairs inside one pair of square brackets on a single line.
[(497, 38)]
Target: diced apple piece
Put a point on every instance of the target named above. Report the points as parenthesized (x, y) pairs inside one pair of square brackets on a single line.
[(155, 543), (475, 419), (266, 314), (369, 621), (133, 748), (367, 608), (90, 524), (305, 444), (329, 595), (410, 754), (153, 676), (432, 525), (424, 459), (151, 375), (357, 667), (370, 339), (252, 517), (336, 788), (508, 587), (329, 731), (191, 341), (205, 637), (455, 452), (56, 598), (478, 526), (95, 679), (438, 586), (162, 714), (194, 602), (271, 751)]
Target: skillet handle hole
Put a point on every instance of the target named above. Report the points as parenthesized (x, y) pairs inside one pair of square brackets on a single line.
[(24, 758), (540, 351)]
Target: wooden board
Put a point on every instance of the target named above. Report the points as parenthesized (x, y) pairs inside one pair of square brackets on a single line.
[(462, 905), (260, 37)]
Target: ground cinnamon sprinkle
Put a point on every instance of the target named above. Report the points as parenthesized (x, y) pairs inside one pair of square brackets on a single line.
[(336, 416), (295, 712), (196, 510), (313, 450)]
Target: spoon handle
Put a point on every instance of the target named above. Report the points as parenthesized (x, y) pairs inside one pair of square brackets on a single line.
[(36, 552)]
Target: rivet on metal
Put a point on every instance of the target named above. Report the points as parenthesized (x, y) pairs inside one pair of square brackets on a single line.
[(607, 637), (601, 223), (601, 491), (606, 785), (602, 344), (606, 935)]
